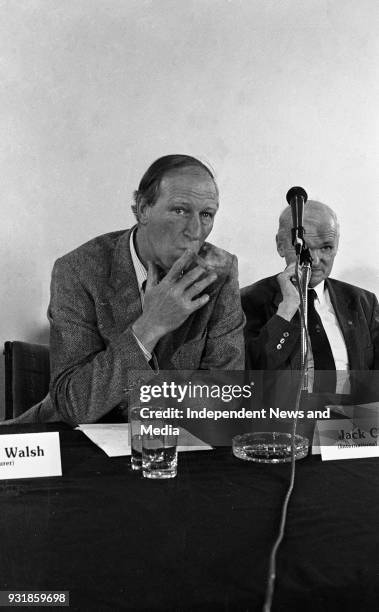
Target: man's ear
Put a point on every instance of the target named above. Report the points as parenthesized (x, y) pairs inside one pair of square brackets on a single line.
[(143, 210), (279, 245)]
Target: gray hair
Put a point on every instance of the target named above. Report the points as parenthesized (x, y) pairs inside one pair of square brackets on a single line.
[(312, 212)]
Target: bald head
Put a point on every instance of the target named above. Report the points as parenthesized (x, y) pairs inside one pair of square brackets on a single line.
[(321, 235), (315, 213)]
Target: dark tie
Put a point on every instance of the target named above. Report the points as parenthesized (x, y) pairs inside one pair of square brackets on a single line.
[(322, 353)]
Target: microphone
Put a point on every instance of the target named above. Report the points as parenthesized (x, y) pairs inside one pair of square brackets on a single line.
[(296, 198)]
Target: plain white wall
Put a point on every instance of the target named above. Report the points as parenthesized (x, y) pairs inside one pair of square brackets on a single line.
[(271, 93)]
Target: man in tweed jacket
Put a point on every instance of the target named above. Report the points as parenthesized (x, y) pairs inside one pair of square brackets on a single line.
[(153, 297)]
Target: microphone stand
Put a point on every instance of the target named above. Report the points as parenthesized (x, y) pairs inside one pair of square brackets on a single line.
[(279, 446), (296, 197), (306, 263)]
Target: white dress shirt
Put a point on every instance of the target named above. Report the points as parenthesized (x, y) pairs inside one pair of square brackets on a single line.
[(141, 274)]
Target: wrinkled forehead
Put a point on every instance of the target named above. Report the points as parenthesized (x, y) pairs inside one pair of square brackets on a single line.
[(325, 231), (319, 221), (189, 181)]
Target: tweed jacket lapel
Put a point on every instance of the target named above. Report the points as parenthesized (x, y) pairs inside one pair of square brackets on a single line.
[(124, 296), (125, 302)]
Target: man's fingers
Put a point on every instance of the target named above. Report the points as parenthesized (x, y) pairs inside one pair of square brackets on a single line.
[(290, 269), (199, 302), (200, 285), (177, 268), (152, 275), (288, 274), (191, 276)]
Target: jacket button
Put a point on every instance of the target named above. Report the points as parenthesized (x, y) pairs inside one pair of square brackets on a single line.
[(285, 334), (282, 341), (278, 346)]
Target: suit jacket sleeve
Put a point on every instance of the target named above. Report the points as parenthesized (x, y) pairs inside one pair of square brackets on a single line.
[(224, 349), (88, 378), (374, 328), (271, 342)]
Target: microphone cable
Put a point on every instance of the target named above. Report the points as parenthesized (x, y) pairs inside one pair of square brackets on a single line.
[(271, 575)]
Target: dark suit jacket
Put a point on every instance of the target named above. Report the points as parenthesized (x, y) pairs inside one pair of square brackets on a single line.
[(95, 358), (357, 312)]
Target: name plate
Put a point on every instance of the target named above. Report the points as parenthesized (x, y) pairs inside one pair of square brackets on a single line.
[(30, 455), (349, 438)]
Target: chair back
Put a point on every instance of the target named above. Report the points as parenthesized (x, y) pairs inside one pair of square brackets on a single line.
[(27, 376)]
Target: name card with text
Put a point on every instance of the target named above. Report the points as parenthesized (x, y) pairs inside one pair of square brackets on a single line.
[(348, 438), (30, 455)]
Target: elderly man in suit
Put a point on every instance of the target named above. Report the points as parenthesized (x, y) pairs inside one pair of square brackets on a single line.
[(343, 320), (156, 296)]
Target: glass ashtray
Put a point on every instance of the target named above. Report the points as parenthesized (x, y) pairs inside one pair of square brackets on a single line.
[(269, 447)]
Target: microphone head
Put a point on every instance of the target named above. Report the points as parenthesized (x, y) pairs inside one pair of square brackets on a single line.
[(298, 192)]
